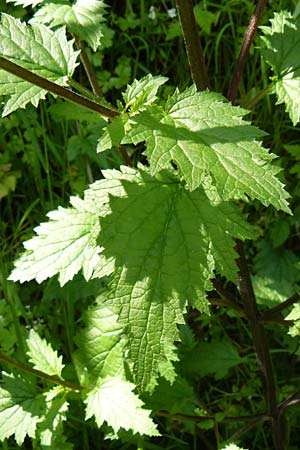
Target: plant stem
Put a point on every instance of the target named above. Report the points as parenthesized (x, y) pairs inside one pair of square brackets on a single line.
[(245, 285), (199, 419), (248, 38), (38, 373), (262, 350), (192, 44), (54, 88), (88, 66)]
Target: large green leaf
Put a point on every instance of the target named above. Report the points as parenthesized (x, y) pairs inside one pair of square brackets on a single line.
[(37, 49), (208, 140), (166, 243), (163, 243), (281, 50), (21, 409), (84, 18)]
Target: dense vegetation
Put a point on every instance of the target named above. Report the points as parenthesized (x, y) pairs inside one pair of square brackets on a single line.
[(156, 303)]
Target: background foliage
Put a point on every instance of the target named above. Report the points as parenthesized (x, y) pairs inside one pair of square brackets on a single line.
[(48, 153)]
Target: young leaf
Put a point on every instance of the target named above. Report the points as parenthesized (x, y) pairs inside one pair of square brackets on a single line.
[(62, 246), (166, 243), (21, 408), (42, 356), (83, 18), (137, 95), (208, 141), (37, 49), (281, 51), (142, 92), (114, 402)]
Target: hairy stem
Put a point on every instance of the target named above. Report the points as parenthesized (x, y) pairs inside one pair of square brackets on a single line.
[(192, 44), (54, 88), (262, 350), (38, 373), (245, 285), (249, 35)]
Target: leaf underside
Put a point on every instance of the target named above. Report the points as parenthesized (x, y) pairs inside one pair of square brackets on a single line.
[(84, 18)]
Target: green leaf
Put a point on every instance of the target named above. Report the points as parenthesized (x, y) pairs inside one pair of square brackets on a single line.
[(62, 246), (99, 361), (8, 179), (113, 133), (166, 243), (83, 18), (142, 92), (137, 95), (42, 355), (281, 48), (51, 428), (100, 346), (178, 397), (276, 274), (294, 330), (209, 142), (280, 232), (215, 358), (38, 49), (114, 402), (21, 409), (72, 111)]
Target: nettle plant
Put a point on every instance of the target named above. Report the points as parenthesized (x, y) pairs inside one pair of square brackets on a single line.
[(161, 235)]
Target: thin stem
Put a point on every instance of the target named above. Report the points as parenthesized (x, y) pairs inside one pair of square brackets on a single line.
[(273, 312), (88, 66), (226, 303), (38, 373), (224, 292), (199, 419), (248, 38), (192, 44), (54, 88)]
